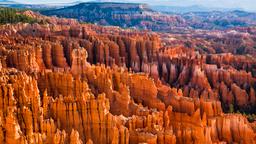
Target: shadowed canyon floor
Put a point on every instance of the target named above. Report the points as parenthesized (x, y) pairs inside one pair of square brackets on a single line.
[(65, 82)]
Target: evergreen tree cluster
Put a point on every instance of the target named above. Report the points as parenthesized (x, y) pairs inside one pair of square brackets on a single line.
[(10, 15)]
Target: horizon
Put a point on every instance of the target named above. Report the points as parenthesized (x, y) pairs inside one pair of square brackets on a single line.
[(224, 4)]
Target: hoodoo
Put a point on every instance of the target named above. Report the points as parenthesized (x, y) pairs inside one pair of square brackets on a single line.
[(66, 82)]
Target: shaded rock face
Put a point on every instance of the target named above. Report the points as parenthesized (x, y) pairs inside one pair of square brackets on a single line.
[(91, 84)]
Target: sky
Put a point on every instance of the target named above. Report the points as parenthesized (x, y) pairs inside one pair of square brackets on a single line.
[(249, 5)]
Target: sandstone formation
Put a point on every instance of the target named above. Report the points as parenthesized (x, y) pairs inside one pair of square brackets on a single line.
[(64, 82)]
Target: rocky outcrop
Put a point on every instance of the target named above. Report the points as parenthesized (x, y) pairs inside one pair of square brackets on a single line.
[(92, 84)]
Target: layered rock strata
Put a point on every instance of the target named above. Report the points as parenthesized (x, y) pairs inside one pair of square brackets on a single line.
[(91, 84)]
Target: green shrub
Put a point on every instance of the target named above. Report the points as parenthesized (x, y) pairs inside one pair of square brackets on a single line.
[(231, 108), (251, 117), (10, 15)]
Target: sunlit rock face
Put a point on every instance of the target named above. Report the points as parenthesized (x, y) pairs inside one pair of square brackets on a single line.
[(64, 82)]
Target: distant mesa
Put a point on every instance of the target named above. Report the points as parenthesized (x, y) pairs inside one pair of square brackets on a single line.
[(108, 13), (143, 16)]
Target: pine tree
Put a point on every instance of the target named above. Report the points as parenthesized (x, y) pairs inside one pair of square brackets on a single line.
[(10, 15)]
